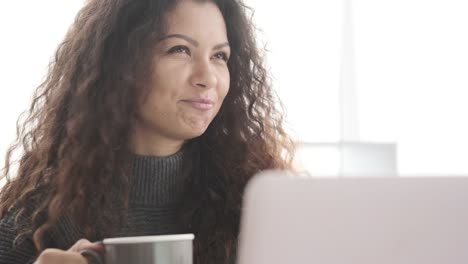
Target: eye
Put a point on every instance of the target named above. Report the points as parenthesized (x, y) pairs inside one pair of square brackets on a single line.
[(179, 49), (222, 56)]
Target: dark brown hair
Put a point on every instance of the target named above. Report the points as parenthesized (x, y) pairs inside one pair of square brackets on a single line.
[(74, 140)]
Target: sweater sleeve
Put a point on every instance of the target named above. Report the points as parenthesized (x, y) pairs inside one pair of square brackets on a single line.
[(12, 252)]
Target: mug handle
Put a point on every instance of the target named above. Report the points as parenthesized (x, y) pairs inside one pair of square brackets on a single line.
[(92, 256)]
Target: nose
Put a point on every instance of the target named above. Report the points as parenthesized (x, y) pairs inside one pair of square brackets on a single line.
[(203, 75)]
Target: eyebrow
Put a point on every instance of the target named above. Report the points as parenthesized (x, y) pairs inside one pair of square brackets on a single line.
[(193, 41)]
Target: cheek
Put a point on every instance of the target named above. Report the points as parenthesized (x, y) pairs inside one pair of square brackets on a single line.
[(160, 101), (224, 84), (166, 84)]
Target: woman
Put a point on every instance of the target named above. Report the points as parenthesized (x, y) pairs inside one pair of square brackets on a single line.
[(153, 117)]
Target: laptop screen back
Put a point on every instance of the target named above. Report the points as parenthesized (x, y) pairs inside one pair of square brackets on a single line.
[(354, 220)]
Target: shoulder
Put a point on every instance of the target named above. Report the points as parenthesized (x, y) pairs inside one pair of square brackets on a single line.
[(14, 249), (16, 225)]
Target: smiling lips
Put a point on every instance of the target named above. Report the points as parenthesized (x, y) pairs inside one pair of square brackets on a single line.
[(200, 104)]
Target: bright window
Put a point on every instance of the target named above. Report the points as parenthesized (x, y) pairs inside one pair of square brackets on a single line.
[(411, 65)]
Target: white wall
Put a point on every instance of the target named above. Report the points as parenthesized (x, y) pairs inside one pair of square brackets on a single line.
[(31, 31)]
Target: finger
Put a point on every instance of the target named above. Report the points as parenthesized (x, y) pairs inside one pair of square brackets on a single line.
[(57, 256), (83, 244)]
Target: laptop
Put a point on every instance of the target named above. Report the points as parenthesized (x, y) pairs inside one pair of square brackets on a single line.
[(293, 219)]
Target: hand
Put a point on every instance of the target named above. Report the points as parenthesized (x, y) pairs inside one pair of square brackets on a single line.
[(71, 256)]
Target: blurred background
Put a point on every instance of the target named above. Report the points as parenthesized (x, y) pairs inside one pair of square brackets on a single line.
[(370, 87)]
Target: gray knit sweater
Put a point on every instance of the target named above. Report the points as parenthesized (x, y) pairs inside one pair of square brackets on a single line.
[(156, 188)]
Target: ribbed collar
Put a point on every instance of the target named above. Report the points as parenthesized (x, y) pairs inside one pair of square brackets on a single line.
[(157, 181)]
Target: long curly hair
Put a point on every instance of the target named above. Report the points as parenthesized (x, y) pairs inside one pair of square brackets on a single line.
[(73, 142)]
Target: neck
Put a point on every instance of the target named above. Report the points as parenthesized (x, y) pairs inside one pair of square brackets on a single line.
[(148, 143)]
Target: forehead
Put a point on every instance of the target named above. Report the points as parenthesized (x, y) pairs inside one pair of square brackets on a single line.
[(194, 18)]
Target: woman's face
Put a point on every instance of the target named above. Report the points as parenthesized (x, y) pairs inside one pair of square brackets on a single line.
[(190, 78)]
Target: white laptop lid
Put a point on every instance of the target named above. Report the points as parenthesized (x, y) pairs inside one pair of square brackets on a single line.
[(354, 220)]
